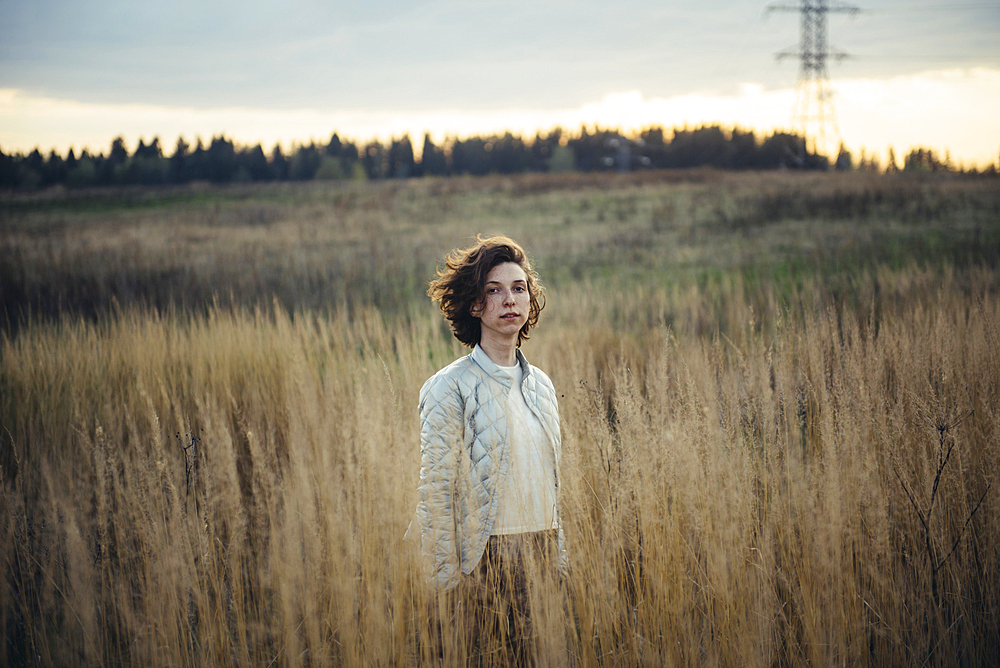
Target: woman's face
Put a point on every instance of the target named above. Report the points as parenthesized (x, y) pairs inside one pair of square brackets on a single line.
[(506, 302)]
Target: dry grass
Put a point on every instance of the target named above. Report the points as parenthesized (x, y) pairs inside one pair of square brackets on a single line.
[(323, 246), (755, 471)]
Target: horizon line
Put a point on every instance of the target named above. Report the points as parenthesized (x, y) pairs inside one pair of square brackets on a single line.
[(956, 115)]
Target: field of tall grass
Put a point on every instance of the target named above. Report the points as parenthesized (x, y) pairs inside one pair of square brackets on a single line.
[(778, 394)]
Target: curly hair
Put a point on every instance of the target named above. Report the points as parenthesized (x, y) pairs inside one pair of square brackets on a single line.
[(462, 284)]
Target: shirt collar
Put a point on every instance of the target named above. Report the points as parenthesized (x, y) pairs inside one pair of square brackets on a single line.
[(480, 357)]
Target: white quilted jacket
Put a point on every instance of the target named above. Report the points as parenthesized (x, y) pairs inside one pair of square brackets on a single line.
[(465, 458)]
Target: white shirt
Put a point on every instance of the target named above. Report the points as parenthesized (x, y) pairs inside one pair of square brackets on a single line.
[(529, 501)]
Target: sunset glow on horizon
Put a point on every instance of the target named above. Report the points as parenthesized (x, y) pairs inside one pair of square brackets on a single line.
[(955, 116), (80, 74)]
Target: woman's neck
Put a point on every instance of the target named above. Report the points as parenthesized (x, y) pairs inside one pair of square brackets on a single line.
[(501, 351)]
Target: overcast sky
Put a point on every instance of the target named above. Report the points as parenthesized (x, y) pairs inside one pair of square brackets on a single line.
[(415, 62)]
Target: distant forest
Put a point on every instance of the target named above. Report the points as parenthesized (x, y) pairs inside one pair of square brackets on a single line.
[(223, 161)]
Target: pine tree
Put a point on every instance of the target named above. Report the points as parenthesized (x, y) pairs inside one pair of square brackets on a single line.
[(279, 164), (890, 163), (432, 159), (333, 148), (401, 158), (177, 166)]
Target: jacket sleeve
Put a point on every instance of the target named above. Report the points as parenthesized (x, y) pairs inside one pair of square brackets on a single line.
[(552, 409), (441, 431)]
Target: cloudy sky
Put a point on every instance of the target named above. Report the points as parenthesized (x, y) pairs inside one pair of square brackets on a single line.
[(79, 72)]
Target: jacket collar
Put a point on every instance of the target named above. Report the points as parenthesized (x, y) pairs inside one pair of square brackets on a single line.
[(480, 357)]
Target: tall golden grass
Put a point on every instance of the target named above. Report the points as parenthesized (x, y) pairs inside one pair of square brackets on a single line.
[(754, 474), (319, 246)]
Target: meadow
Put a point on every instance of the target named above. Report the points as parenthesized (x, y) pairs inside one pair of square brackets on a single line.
[(778, 394)]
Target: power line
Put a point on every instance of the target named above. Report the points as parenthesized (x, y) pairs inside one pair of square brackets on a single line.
[(931, 8), (813, 114)]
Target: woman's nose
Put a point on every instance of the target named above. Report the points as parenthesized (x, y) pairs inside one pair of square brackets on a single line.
[(508, 298)]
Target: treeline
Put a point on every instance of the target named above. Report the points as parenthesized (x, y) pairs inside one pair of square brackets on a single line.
[(223, 161)]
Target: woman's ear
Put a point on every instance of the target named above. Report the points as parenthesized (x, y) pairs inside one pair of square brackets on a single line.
[(476, 309)]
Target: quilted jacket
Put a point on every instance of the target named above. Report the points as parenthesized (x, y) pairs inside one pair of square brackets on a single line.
[(465, 458)]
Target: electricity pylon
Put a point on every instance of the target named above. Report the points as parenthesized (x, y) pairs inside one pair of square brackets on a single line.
[(813, 114)]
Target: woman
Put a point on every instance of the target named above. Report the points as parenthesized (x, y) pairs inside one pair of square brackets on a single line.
[(490, 444)]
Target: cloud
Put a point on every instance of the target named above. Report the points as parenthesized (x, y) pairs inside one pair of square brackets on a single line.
[(951, 110)]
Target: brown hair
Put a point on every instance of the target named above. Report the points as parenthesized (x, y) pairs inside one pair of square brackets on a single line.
[(462, 284)]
